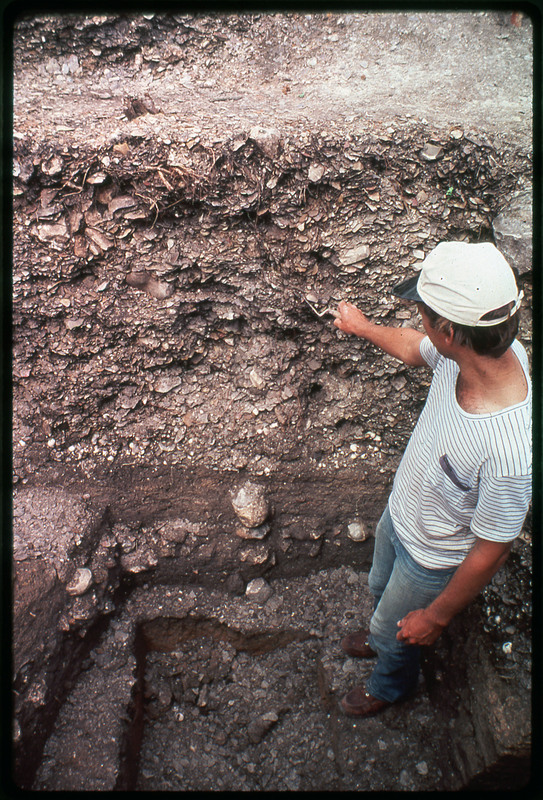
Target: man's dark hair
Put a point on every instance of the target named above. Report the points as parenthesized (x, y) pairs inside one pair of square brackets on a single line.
[(492, 341)]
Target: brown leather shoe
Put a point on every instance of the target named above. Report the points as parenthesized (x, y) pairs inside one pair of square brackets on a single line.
[(356, 644), (359, 703)]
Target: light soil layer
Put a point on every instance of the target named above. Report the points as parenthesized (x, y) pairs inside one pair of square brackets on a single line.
[(218, 73)]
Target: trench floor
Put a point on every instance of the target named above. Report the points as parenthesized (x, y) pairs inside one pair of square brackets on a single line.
[(195, 690)]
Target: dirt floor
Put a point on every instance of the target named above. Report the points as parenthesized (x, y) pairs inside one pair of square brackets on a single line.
[(241, 693), (171, 222)]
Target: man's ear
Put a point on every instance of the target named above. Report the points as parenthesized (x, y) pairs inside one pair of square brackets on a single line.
[(448, 332)]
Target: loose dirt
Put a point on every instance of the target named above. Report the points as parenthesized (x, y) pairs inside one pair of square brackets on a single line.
[(225, 73), (189, 189)]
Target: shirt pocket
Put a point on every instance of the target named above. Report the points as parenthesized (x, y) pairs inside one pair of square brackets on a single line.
[(448, 469), (455, 496)]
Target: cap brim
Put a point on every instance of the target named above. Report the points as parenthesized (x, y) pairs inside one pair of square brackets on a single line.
[(407, 290)]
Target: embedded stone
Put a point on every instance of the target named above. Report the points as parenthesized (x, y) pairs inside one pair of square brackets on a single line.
[(167, 384), (47, 233), (258, 589), (316, 171), (513, 232), (431, 152), (257, 554), (174, 531), (53, 166), (266, 138), (354, 255), (259, 727), (357, 531), (250, 505), (256, 379), (254, 533), (80, 582)]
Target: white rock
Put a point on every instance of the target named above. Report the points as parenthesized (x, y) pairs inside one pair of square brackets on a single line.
[(404, 777), (80, 582), (354, 255), (72, 63), (357, 531), (513, 231), (258, 589), (256, 379), (53, 166), (316, 171), (250, 505), (266, 138), (47, 233), (431, 152)]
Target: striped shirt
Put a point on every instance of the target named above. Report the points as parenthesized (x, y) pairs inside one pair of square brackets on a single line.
[(462, 475)]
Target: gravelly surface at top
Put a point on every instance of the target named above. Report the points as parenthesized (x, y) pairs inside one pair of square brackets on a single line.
[(472, 69)]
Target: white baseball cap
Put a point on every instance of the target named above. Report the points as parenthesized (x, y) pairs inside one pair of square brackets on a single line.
[(462, 282)]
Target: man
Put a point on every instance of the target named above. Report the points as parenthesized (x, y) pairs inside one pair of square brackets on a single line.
[(463, 486)]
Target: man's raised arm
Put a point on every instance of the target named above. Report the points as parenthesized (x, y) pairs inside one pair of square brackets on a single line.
[(402, 343)]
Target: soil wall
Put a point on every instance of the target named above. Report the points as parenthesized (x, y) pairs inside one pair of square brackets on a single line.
[(173, 347)]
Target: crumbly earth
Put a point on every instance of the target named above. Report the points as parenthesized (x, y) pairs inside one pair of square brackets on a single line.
[(243, 694), (136, 392), (223, 73)]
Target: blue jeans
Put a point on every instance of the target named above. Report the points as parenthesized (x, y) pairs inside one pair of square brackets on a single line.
[(399, 585)]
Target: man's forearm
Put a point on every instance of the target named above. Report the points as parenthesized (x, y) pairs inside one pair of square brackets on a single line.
[(402, 343), (470, 578), (424, 625)]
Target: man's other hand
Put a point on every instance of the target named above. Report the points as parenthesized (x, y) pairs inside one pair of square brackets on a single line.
[(419, 627)]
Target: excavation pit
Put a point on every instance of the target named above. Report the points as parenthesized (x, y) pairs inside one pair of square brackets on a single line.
[(173, 252), (226, 693)]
